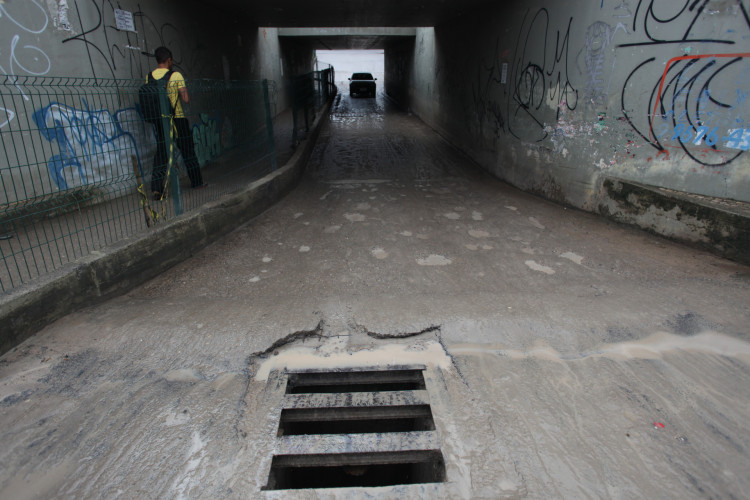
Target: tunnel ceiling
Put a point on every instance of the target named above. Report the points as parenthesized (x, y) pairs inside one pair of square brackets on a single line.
[(346, 42), (351, 13)]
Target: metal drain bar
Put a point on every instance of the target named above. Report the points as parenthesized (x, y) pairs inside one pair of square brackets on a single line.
[(356, 428)]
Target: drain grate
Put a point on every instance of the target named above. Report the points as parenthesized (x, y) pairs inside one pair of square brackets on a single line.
[(362, 381), (356, 428)]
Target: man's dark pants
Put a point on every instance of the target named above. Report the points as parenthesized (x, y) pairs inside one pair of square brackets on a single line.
[(184, 141)]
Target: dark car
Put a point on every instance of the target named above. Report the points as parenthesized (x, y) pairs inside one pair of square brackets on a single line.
[(362, 84)]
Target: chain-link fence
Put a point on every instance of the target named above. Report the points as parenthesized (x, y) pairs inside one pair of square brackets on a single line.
[(77, 158)]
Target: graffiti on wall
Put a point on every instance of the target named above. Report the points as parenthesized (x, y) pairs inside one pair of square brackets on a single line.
[(537, 72), (487, 106), (697, 103), (593, 62), (97, 146), (540, 77), (122, 53), (686, 98), (109, 51), (94, 145), (21, 24), (665, 22), (207, 139)]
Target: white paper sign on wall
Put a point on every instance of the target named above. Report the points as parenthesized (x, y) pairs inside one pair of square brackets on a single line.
[(124, 20)]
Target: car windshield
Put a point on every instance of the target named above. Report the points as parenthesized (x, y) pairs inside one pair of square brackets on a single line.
[(361, 76)]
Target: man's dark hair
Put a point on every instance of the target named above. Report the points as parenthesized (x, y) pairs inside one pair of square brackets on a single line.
[(162, 54)]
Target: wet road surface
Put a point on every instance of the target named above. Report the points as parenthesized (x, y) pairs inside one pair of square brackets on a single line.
[(586, 359)]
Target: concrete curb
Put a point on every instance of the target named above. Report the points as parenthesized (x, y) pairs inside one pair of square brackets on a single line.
[(132, 261), (688, 219)]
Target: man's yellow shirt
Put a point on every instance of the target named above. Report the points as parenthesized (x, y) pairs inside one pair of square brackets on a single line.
[(176, 82)]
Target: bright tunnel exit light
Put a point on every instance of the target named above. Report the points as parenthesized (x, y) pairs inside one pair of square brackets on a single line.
[(346, 62)]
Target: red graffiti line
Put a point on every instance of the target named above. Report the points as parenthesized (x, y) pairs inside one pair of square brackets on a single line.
[(664, 77)]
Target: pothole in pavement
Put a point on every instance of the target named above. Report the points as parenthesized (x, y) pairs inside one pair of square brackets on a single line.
[(366, 414)]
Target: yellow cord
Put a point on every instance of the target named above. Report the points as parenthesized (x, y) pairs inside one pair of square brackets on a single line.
[(145, 204), (170, 161)]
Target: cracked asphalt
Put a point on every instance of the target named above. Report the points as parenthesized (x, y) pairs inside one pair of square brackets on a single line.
[(586, 359)]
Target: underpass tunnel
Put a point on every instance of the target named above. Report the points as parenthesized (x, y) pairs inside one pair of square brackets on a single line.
[(614, 109), (422, 289)]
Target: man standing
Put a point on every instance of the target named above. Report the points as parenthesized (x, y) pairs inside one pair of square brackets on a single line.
[(177, 93)]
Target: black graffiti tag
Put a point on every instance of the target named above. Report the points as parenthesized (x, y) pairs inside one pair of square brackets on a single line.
[(539, 76), (118, 48), (668, 16), (486, 107), (696, 102)]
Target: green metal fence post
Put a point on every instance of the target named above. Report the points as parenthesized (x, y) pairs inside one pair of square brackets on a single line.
[(293, 93), (308, 95), (174, 180), (269, 125), (169, 142)]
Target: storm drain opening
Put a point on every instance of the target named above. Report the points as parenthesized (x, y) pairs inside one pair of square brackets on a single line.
[(365, 470), (356, 428), (355, 381), (356, 420)]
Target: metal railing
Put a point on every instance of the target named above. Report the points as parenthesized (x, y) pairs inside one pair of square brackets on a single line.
[(76, 160), (309, 92)]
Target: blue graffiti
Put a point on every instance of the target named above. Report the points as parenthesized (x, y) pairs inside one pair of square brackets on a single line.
[(207, 139), (718, 129), (735, 138), (95, 146)]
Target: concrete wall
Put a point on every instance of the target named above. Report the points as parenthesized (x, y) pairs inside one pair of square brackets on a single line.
[(556, 97), (77, 38), (298, 56), (267, 64), (399, 69), (80, 38)]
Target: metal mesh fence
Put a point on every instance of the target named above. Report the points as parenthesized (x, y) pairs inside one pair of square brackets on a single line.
[(76, 163), (309, 92)]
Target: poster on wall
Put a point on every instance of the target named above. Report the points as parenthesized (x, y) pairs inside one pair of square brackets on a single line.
[(124, 20)]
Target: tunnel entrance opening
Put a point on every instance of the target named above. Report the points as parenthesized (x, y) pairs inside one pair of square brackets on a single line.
[(348, 62)]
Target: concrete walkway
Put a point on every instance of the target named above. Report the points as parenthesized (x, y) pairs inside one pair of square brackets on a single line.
[(584, 358)]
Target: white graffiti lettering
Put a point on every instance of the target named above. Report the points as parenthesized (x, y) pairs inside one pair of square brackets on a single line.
[(34, 31), (24, 58), (15, 62), (9, 115)]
